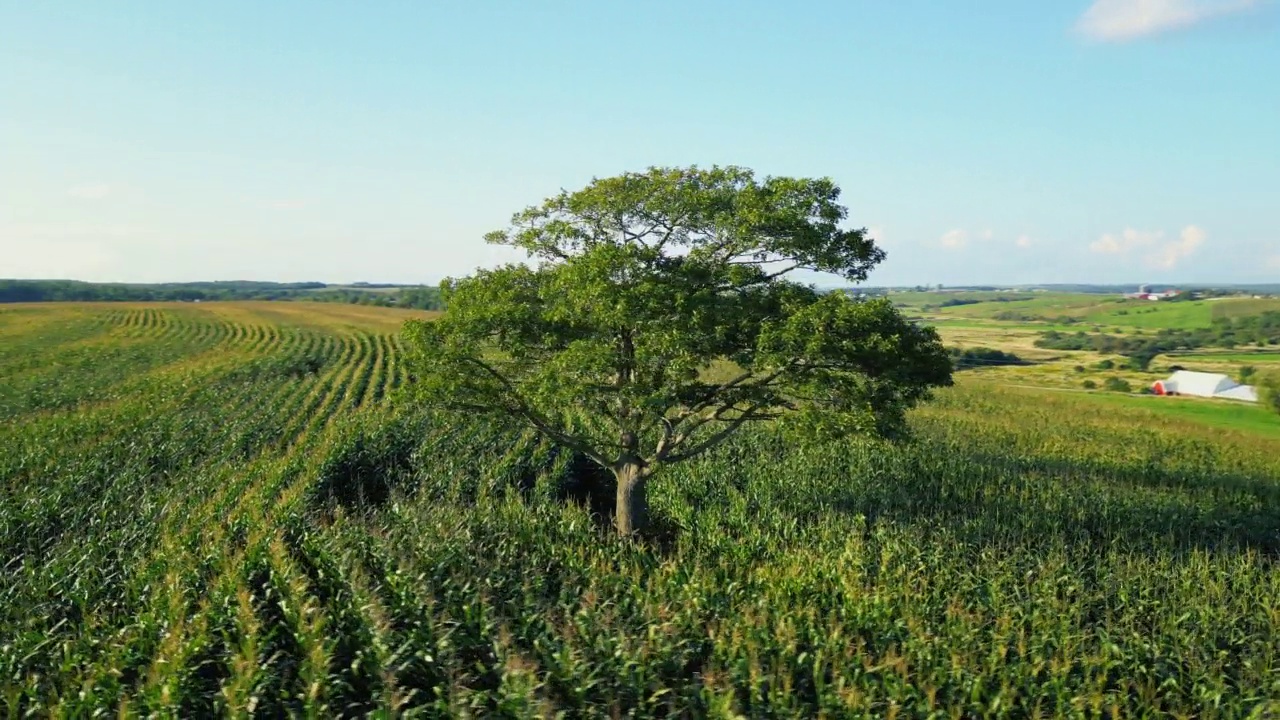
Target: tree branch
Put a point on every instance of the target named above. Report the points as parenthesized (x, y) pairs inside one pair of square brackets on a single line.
[(545, 425), (717, 437)]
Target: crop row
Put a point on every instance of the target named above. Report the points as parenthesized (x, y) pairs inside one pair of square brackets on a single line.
[(239, 522)]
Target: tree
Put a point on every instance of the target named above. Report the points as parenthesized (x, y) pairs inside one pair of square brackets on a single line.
[(1247, 373), (1268, 388), (1117, 384), (1141, 358), (644, 282)]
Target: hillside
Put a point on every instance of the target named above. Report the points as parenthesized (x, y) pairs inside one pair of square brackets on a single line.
[(221, 508), (1073, 340)]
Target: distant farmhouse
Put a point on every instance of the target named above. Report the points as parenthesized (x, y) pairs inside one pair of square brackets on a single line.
[(1146, 293), (1210, 385)]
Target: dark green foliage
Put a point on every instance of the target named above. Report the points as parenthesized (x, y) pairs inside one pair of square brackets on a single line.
[(1268, 387), (279, 367), (1246, 374), (73, 290), (982, 357), (1024, 316), (1117, 384), (1089, 385), (1105, 365), (1262, 329), (370, 458), (422, 298), (647, 281), (1140, 360)]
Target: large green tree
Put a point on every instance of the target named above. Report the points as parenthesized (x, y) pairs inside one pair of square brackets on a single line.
[(658, 317)]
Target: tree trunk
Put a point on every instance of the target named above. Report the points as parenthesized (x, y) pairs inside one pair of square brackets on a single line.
[(631, 515)]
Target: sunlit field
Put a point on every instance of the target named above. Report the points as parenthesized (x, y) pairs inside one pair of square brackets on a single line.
[(224, 508)]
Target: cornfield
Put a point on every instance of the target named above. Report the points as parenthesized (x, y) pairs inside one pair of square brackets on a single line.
[(222, 509)]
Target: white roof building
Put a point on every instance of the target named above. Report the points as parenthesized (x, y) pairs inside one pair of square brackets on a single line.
[(1212, 385), (1240, 392)]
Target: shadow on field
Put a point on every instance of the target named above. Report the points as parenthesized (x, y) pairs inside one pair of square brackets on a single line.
[(586, 483), (977, 493), (986, 499)]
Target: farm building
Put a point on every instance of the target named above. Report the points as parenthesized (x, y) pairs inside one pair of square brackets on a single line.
[(1199, 384), (1145, 293)]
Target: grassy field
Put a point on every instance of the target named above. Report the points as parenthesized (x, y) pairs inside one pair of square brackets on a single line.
[(1216, 414), (1240, 307), (979, 326), (1045, 310), (220, 508)]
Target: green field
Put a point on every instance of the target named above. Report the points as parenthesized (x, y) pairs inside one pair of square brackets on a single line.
[(986, 324), (1215, 414), (222, 509), (1155, 315), (1045, 310), (1241, 307)]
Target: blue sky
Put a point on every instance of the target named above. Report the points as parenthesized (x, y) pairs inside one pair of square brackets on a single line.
[(1001, 141)]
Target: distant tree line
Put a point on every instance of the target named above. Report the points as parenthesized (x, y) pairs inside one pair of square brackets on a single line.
[(423, 298), (1261, 330), (958, 301), (981, 357), (75, 291), (1020, 316)]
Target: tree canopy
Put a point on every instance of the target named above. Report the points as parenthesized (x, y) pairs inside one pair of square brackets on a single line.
[(659, 315)]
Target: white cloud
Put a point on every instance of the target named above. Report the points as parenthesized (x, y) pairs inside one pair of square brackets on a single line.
[(1170, 254), (1157, 252), (90, 191), (986, 234), (1121, 20), (876, 233), (1024, 241), (1117, 244), (1273, 262), (954, 239)]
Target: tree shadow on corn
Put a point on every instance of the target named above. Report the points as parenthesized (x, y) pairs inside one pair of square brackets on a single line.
[(367, 463), (989, 498)]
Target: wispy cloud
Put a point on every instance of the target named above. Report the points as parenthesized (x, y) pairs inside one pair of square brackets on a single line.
[(1024, 241), (954, 239), (1157, 252), (1273, 262), (1167, 256), (1123, 242), (90, 191), (986, 234), (1123, 20)]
